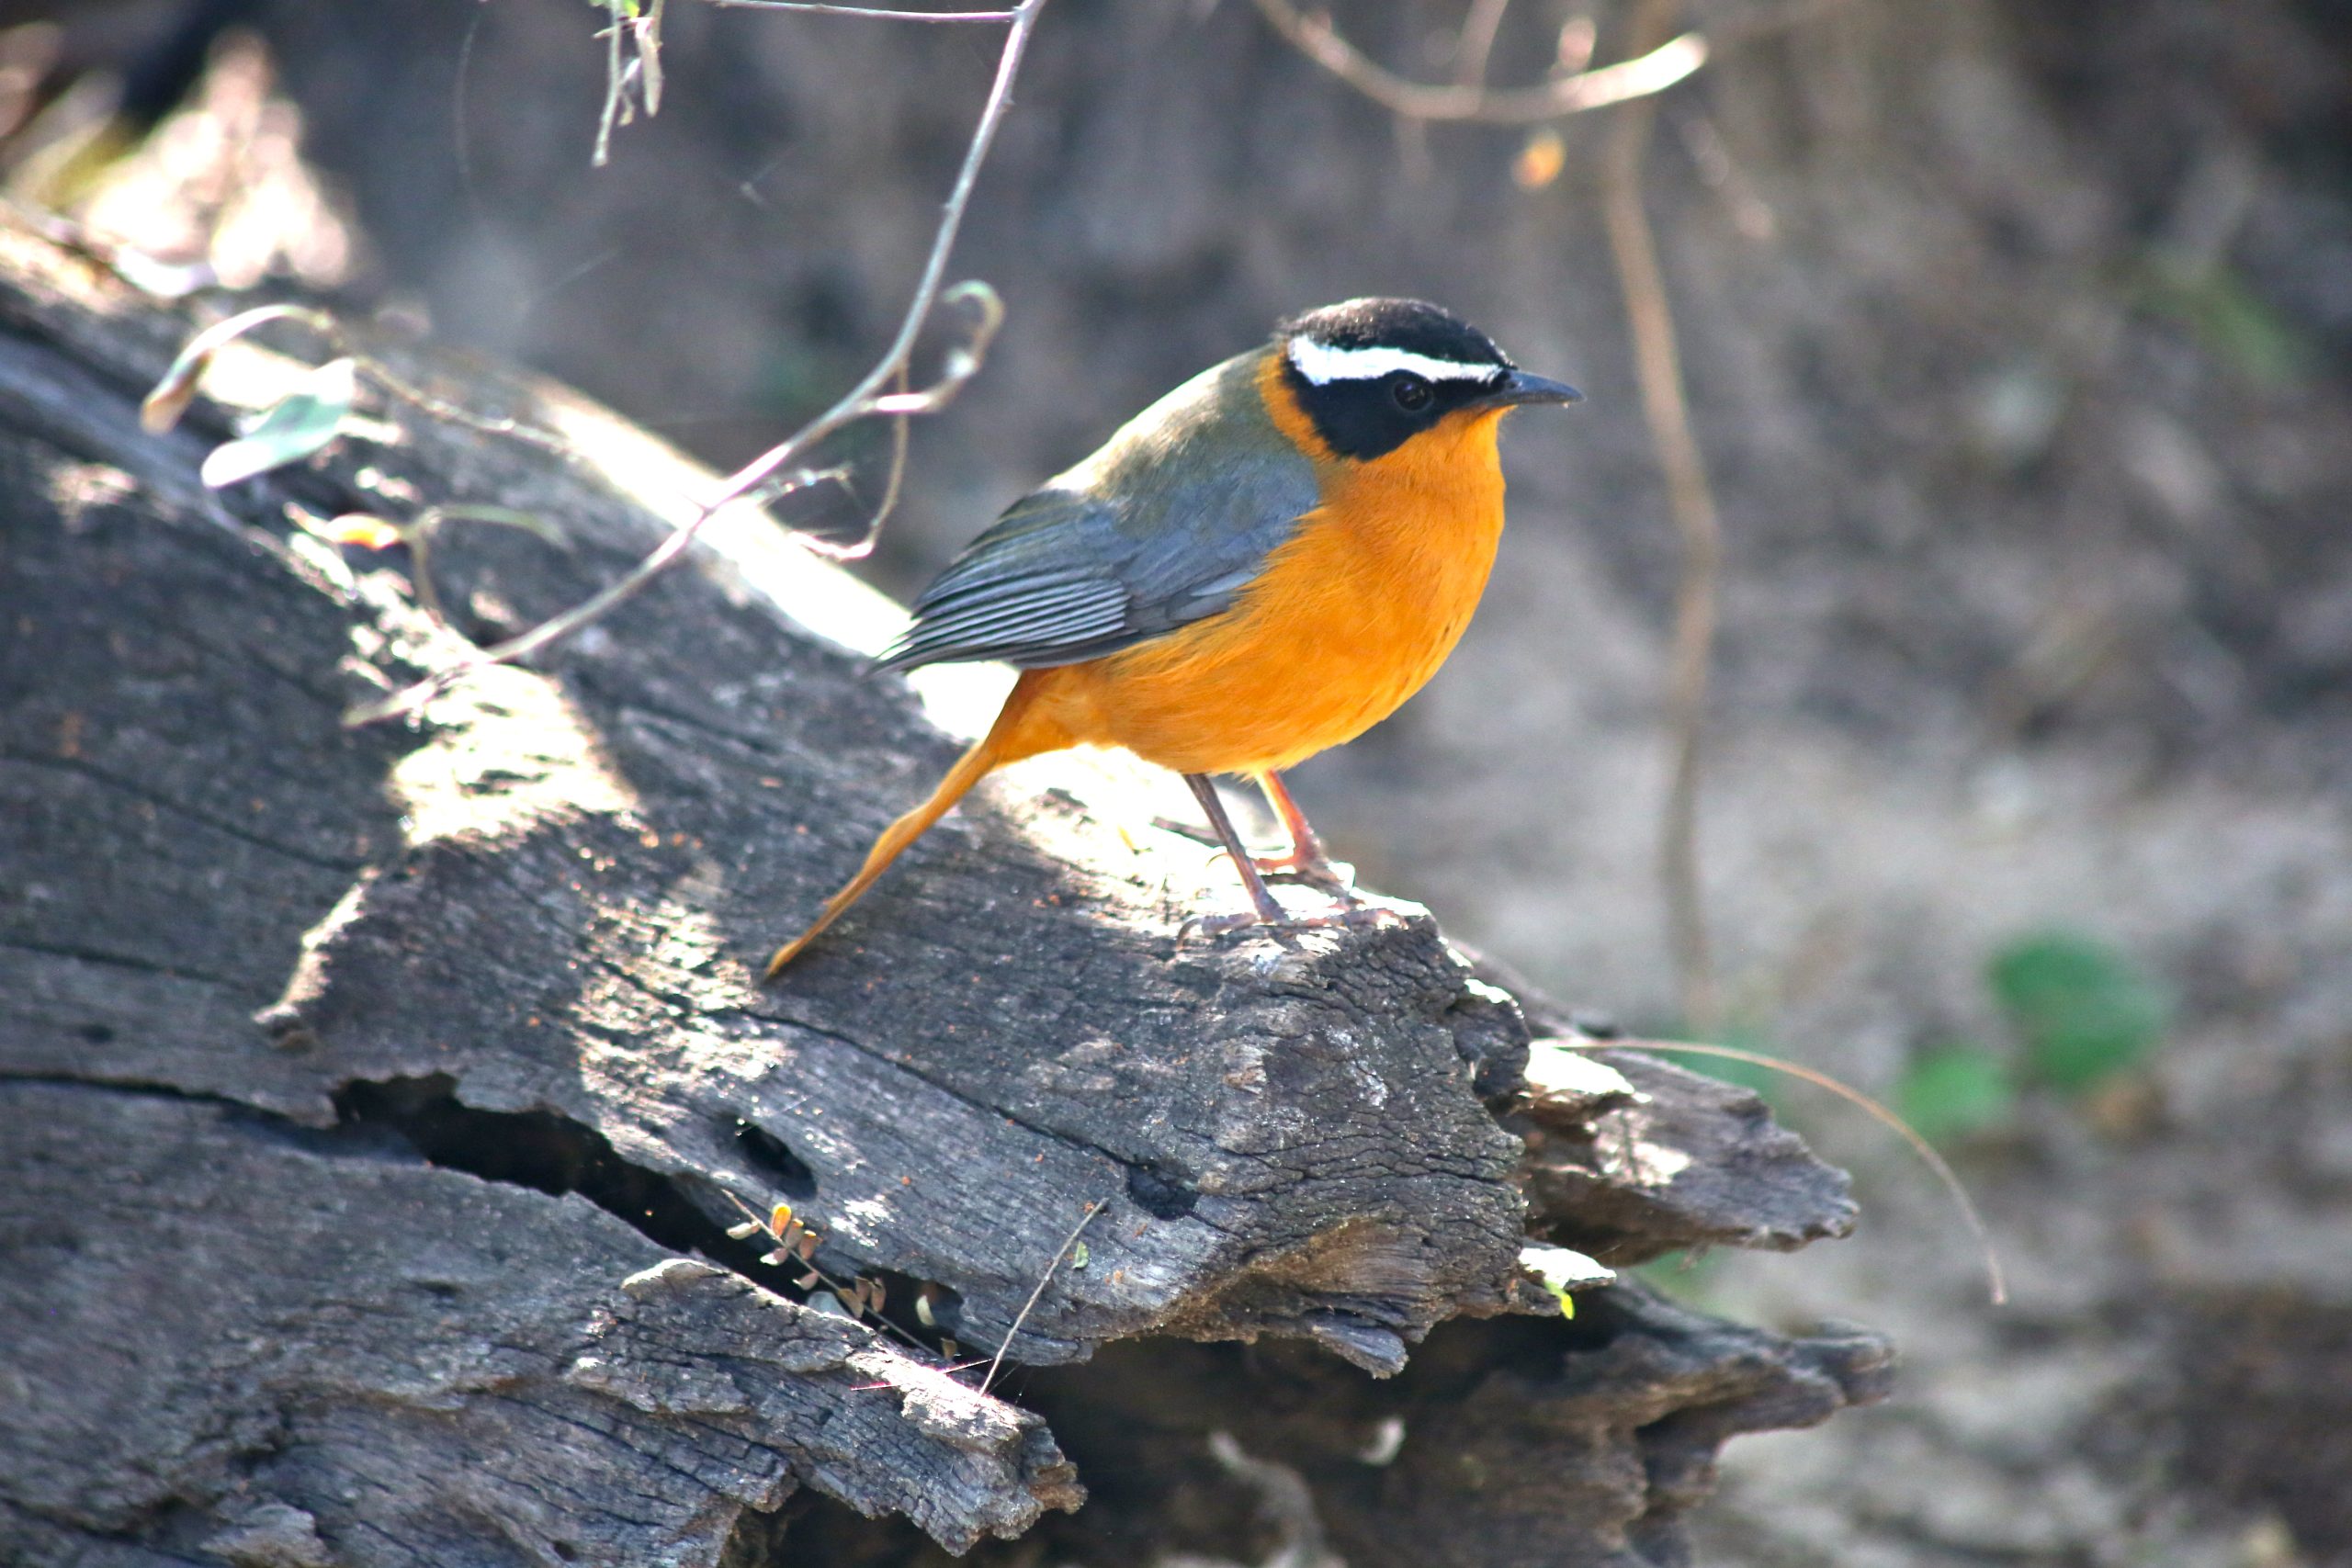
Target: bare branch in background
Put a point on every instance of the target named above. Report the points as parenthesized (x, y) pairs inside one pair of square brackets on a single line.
[(1659, 366), (1477, 43), (1651, 72), (881, 392)]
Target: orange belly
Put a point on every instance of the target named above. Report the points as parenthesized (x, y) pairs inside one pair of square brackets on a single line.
[(1353, 616)]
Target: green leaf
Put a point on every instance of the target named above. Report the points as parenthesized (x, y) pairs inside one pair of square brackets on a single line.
[(1954, 1090), (297, 426), (2084, 1009), (2231, 322)]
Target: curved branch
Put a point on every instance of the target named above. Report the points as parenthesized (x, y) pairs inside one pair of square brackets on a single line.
[(1665, 407), (1644, 74)]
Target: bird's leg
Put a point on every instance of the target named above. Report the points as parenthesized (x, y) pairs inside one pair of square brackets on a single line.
[(1269, 912), (1307, 862), (1265, 912)]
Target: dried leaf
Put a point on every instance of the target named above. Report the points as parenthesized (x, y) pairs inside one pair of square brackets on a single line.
[(369, 532), (162, 408), (1540, 160)]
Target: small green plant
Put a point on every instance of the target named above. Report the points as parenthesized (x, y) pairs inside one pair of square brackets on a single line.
[(2230, 321), (2083, 1009), (1689, 1275), (1956, 1091)]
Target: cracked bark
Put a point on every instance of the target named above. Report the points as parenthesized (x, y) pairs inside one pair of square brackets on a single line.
[(374, 1101)]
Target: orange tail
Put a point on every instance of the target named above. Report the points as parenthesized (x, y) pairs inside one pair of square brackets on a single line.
[(1012, 738)]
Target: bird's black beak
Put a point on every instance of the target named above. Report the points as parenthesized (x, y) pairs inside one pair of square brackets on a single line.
[(1519, 386)]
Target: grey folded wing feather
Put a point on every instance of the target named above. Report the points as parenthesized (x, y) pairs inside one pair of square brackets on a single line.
[(1066, 576)]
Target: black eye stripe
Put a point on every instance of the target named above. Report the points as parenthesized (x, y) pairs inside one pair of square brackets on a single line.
[(1367, 418)]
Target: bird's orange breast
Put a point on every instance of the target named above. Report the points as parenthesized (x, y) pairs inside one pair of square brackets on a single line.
[(1351, 615)]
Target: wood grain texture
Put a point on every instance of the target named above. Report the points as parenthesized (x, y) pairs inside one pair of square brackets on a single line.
[(378, 1100)]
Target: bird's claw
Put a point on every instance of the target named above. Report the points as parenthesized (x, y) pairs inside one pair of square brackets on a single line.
[(1317, 873), (1213, 925), (1354, 915)]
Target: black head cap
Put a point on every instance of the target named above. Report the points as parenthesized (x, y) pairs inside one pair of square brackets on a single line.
[(1372, 374), (1415, 326)]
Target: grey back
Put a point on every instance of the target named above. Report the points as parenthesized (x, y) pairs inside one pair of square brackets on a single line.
[(1164, 524)]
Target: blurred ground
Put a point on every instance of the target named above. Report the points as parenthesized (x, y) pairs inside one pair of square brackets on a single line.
[(2020, 341)]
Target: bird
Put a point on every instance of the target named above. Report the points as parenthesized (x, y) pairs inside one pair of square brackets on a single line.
[(1263, 564)]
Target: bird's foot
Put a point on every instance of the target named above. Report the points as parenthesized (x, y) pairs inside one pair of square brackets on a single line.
[(1312, 870), (1335, 878), (1354, 914)]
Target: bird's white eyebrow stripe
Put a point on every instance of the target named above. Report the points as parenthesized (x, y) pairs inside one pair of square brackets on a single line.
[(1321, 364)]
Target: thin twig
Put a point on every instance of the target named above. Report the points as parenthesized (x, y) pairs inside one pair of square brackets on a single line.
[(644, 32), (614, 89), (894, 475), (1068, 1241), (1995, 1280), (439, 407), (648, 56), (1657, 364), (865, 398), (1651, 72)]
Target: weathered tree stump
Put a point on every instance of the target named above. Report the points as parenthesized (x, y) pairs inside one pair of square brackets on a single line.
[(375, 1102)]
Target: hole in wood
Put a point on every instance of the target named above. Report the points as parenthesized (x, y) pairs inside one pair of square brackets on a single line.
[(775, 1160), (1159, 1195)]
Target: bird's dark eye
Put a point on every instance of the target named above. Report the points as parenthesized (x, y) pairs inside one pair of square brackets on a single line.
[(1412, 393)]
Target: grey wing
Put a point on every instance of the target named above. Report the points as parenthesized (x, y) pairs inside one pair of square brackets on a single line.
[(1065, 576), (1042, 582)]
